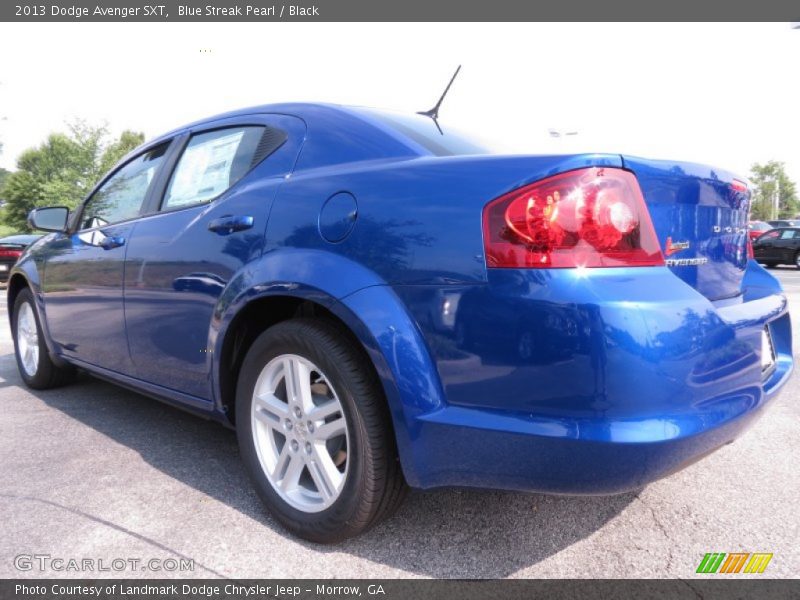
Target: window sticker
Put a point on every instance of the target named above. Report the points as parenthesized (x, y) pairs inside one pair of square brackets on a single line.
[(204, 170)]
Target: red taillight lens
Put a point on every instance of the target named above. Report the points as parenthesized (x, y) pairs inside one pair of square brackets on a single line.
[(750, 253), (738, 186), (4, 253), (593, 217)]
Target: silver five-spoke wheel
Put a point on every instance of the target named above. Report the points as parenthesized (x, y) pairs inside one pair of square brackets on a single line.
[(28, 339), (300, 433), (315, 431)]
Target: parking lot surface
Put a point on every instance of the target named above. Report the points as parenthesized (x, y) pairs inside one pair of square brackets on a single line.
[(94, 471)]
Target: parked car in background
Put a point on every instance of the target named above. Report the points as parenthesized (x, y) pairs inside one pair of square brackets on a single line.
[(778, 247), (784, 223), (11, 248), (757, 228), (373, 300)]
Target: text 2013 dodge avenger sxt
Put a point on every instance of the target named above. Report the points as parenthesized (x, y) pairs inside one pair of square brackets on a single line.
[(374, 303)]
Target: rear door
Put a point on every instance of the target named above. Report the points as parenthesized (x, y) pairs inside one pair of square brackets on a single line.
[(203, 226), (83, 272), (786, 245), (766, 248)]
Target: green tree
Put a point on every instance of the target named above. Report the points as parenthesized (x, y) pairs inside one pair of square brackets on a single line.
[(4, 229), (18, 189), (770, 180), (4, 173), (62, 170), (128, 140)]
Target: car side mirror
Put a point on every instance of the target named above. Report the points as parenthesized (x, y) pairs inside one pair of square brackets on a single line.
[(51, 218)]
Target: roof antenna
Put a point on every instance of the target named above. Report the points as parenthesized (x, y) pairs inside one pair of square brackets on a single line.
[(434, 112)]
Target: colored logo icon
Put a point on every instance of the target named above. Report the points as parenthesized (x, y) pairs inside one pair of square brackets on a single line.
[(734, 562)]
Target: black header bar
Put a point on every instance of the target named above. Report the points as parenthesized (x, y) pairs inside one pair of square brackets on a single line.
[(399, 10), (713, 588)]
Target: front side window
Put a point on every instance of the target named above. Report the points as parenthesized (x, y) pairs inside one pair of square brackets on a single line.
[(211, 163), (121, 197), (787, 234)]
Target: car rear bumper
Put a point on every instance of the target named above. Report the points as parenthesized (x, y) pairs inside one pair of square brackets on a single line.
[(592, 383)]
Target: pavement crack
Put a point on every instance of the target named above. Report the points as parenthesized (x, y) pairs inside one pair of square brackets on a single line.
[(662, 529), (114, 526)]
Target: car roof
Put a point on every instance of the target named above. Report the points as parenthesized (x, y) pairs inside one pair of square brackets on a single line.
[(327, 125), (320, 114)]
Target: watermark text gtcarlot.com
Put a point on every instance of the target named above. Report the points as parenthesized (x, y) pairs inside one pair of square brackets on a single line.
[(47, 562)]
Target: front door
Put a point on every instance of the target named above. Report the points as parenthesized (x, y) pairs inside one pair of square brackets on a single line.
[(83, 274)]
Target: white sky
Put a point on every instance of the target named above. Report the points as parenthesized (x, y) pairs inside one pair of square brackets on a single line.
[(724, 94)]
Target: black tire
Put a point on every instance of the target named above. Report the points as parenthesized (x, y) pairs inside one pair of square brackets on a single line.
[(374, 486), (797, 260), (47, 375)]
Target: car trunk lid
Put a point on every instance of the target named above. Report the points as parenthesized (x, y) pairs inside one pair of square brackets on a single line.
[(700, 215)]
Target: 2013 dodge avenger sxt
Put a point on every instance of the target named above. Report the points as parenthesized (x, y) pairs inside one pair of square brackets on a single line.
[(374, 301)]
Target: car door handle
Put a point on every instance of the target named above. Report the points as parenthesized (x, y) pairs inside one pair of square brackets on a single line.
[(227, 224), (111, 241)]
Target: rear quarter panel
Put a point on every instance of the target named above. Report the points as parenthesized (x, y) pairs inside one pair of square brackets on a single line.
[(419, 219)]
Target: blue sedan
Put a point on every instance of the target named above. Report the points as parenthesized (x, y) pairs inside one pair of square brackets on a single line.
[(375, 301)]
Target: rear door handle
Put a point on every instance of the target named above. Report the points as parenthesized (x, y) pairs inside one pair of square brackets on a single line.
[(111, 241), (227, 224)]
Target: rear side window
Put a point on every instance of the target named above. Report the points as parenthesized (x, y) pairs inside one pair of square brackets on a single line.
[(214, 161), (788, 234)]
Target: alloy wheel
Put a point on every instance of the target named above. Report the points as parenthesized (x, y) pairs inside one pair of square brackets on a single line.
[(28, 339), (300, 433)]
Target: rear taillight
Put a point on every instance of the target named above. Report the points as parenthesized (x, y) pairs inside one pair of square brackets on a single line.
[(5, 253), (738, 186), (593, 217), (750, 253)]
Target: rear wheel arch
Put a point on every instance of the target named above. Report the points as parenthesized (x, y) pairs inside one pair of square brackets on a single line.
[(323, 460), (257, 316)]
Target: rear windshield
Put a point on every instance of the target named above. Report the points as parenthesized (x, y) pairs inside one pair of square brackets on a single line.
[(423, 131)]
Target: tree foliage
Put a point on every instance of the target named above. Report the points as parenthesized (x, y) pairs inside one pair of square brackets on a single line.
[(3, 176), (62, 170), (770, 180)]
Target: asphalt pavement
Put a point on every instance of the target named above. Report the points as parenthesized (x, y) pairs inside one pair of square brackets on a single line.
[(95, 472)]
